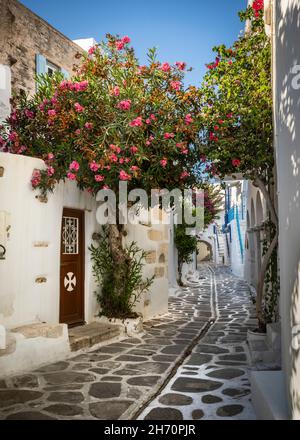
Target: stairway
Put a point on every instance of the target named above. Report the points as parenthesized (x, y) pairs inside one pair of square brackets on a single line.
[(265, 353), (85, 336)]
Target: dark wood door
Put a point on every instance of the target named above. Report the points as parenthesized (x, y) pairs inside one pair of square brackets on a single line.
[(72, 267)]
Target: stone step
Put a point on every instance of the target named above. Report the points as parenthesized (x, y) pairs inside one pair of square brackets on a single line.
[(86, 336), (260, 352)]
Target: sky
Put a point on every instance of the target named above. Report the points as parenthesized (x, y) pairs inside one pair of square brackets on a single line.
[(182, 30)]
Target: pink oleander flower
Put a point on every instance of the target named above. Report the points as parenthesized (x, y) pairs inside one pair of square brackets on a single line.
[(2, 141), (184, 175), (64, 85), (236, 162), (127, 160), (229, 115), (121, 160), (52, 113), (13, 136), (78, 132), (220, 121), (138, 122), (50, 171), (213, 65), (71, 176), (79, 108), (36, 178), (115, 148), (185, 151), (134, 150), (116, 91), (113, 158), (74, 166), (165, 67), (125, 104), (29, 114), (188, 119), (257, 6), (164, 162), (91, 50), (88, 125), (94, 166), (80, 86), (216, 127), (213, 137), (50, 122), (21, 149), (105, 187), (175, 85), (124, 175), (180, 65), (148, 121), (169, 135), (120, 45), (126, 39), (134, 168), (54, 101), (99, 178), (153, 117)]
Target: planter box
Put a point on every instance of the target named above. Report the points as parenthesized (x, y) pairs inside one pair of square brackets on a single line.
[(255, 336)]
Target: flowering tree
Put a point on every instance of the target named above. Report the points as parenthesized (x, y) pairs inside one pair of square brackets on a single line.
[(238, 138), (114, 120)]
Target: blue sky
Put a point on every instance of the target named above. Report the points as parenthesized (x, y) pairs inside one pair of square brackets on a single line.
[(182, 30)]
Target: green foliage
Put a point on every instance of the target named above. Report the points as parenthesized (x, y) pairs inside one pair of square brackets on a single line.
[(117, 301), (272, 283)]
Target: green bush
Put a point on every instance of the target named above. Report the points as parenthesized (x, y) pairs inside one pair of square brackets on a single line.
[(118, 299)]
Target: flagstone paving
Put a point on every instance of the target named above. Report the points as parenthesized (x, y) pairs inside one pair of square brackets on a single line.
[(213, 381), (116, 381)]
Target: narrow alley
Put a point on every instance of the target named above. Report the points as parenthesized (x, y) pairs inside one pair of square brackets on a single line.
[(189, 364)]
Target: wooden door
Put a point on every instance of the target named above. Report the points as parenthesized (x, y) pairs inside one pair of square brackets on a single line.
[(72, 267)]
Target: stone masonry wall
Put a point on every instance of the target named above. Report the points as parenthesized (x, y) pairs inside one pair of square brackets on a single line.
[(23, 35)]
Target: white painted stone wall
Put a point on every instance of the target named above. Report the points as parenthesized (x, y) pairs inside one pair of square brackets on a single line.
[(5, 91), (286, 37), (33, 245)]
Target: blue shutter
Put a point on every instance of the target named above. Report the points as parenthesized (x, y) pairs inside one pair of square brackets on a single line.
[(65, 73), (40, 64)]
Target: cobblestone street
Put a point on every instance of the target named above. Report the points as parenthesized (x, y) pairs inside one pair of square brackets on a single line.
[(182, 367)]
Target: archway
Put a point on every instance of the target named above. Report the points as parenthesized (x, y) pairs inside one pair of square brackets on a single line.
[(205, 252), (259, 209)]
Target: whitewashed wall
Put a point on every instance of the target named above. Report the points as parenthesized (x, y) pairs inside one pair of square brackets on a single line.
[(33, 246), (287, 137)]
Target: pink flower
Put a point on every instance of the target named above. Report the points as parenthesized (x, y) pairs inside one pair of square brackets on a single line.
[(236, 162), (88, 125), (127, 160), (78, 131), (81, 86), (36, 178), (185, 151), (165, 67), (138, 122), (164, 163), (78, 107), (169, 135), (180, 65), (51, 113), (74, 166), (213, 65), (91, 50), (230, 115), (94, 166), (121, 160), (134, 150), (125, 105), (99, 178), (148, 121), (188, 119), (175, 85), (119, 45), (126, 39), (124, 175), (216, 127), (213, 137), (116, 91), (115, 148), (134, 168), (29, 114), (220, 121), (184, 175), (105, 187), (113, 157), (50, 171), (71, 176), (13, 136)]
